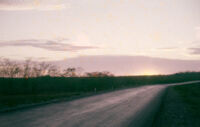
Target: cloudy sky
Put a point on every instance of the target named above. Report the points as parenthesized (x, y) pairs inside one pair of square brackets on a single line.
[(72, 29)]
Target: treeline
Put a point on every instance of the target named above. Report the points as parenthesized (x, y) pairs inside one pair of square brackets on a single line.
[(29, 68)]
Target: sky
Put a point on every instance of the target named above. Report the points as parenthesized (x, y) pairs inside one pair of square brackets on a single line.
[(57, 30), (130, 65)]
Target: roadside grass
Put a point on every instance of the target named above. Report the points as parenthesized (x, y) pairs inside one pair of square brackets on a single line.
[(191, 96), (9, 101), (180, 107)]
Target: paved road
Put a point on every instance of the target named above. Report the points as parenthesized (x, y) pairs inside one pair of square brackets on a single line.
[(124, 108)]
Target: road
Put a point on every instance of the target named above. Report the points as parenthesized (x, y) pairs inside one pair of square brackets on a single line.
[(123, 108)]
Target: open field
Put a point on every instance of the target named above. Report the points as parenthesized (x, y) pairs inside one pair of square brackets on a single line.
[(19, 91)]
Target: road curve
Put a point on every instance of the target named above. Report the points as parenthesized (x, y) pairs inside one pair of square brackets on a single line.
[(124, 108)]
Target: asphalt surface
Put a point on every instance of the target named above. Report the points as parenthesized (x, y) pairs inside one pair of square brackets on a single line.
[(124, 108)]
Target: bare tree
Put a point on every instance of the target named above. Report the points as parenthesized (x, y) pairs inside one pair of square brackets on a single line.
[(36, 71), (9, 68), (69, 72), (53, 71), (44, 68), (14, 70), (99, 74), (27, 69)]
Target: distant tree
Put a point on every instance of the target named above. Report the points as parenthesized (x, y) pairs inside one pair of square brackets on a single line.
[(30, 68), (53, 71), (27, 68), (69, 72), (44, 67), (4, 67), (9, 68), (36, 71), (15, 70), (99, 74)]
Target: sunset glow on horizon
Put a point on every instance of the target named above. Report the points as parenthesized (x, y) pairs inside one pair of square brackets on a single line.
[(149, 72)]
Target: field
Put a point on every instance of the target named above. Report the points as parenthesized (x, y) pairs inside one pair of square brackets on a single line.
[(19, 91)]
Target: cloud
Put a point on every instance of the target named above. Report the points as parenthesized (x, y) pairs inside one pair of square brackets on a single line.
[(52, 45), (197, 28), (19, 5), (197, 34), (196, 42), (195, 51)]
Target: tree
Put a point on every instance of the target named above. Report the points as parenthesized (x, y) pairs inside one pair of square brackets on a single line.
[(27, 69), (69, 72), (99, 74), (9, 68), (53, 71)]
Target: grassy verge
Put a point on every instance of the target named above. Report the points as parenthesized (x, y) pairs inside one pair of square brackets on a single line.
[(10, 101), (191, 97), (180, 107)]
